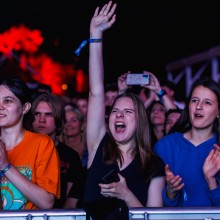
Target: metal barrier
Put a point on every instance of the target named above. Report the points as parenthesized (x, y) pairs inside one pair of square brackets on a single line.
[(203, 213)]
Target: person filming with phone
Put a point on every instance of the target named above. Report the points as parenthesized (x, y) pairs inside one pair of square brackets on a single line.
[(123, 145), (149, 84)]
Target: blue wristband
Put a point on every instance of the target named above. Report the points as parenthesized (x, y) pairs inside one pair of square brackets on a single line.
[(98, 40), (160, 94), (83, 44), (2, 172)]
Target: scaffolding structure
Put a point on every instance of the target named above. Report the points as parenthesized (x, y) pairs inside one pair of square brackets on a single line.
[(184, 72)]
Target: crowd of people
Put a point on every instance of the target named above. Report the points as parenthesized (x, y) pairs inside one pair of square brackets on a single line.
[(55, 152)]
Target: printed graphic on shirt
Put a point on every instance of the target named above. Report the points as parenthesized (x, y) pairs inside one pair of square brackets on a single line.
[(11, 196)]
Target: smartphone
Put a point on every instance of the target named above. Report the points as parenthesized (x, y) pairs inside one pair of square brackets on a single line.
[(110, 177), (138, 79)]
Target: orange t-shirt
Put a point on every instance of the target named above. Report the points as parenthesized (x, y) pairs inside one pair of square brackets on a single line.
[(37, 159)]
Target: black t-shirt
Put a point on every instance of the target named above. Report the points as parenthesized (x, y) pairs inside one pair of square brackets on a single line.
[(132, 173), (71, 171)]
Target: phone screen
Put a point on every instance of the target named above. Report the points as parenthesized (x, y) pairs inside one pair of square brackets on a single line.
[(138, 79)]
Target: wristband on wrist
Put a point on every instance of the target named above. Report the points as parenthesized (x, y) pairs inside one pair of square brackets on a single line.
[(92, 40), (160, 94), (2, 172), (83, 44)]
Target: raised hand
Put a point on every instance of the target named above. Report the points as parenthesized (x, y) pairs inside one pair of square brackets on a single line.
[(156, 88), (122, 85), (102, 19), (154, 82)]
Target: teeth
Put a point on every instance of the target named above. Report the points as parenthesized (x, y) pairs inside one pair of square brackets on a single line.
[(119, 123)]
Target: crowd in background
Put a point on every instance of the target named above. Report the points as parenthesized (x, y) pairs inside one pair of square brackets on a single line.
[(64, 119), (165, 153)]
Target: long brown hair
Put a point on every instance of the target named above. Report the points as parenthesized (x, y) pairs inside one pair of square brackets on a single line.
[(142, 148)]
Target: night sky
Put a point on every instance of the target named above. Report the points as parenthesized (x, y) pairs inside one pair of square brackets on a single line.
[(146, 36)]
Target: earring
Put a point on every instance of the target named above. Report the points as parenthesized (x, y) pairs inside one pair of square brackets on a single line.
[(217, 116)]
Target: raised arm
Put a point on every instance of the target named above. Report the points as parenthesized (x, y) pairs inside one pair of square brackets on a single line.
[(102, 20), (155, 87), (122, 86)]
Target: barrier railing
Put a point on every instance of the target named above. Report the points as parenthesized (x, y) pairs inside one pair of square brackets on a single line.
[(203, 213)]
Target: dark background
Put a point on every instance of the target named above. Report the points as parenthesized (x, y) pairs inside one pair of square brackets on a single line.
[(147, 35)]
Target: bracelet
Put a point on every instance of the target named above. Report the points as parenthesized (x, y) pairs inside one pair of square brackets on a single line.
[(160, 94), (95, 40), (83, 44), (2, 172)]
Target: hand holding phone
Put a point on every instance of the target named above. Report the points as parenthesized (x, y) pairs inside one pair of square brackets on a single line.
[(110, 177), (138, 79)]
